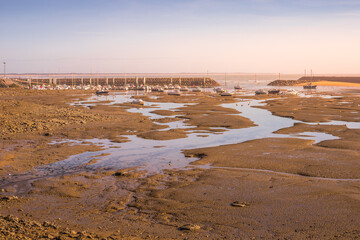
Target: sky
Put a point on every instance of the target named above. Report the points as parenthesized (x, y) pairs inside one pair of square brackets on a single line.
[(152, 36)]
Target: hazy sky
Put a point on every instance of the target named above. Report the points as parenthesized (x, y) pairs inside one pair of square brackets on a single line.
[(285, 36)]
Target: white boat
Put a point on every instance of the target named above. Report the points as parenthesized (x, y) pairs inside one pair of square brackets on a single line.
[(196, 89), (156, 88), (184, 89), (292, 92), (138, 101), (225, 94), (219, 90), (144, 88), (174, 93)]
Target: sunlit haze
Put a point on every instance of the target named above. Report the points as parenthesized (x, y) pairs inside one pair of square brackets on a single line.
[(285, 36)]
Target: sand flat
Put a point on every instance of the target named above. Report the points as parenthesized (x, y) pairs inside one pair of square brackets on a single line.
[(331, 83)]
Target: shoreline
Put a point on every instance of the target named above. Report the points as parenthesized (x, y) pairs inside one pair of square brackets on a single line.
[(332, 84)]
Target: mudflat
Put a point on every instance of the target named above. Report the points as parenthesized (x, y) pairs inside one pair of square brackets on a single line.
[(284, 187)]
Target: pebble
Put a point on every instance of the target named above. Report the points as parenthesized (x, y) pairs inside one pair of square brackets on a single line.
[(190, 227)]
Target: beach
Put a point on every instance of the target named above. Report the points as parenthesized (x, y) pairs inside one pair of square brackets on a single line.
[(334, 83), (75, 165)]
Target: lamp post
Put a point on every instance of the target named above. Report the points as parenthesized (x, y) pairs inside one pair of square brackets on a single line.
[(4, 69)]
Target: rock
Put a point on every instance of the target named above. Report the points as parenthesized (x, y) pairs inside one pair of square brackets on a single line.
[(11, 218), (120, 173), (35, 224), (9, 198), (190, 227), (48, 224), (239, 204), (48, 236)]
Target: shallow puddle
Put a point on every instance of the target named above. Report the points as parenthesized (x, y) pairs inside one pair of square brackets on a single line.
[(350, 125)]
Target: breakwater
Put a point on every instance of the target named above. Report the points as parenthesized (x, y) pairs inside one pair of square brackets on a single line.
[(121, 81), (307, 79)]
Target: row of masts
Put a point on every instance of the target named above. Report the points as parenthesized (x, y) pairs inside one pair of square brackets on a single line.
[(114, 81)]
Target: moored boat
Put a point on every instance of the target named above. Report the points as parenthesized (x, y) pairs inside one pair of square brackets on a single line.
[(138, 101), (219, 90), (291, 92), (196, 89), (102, 92), (174, 93), (225, 94), (274, 91), (260, 91), (184, 89), (237, 87), (309, 86)]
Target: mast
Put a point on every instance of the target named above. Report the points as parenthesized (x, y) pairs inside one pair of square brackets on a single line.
[(225, 79)]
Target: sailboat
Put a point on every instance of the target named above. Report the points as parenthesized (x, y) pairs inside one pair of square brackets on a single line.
[(237, 87), (310, 85)]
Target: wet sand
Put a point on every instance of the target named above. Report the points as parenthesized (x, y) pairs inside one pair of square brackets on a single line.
[(291, 188)]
